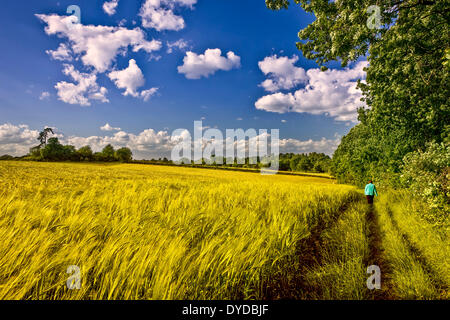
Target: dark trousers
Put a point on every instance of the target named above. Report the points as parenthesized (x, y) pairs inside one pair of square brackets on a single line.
[(369, 199)]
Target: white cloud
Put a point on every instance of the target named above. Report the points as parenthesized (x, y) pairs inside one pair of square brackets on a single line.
[(147, 94), (63, 53), (327, 146), (282, 73), (44, 95), (16, 141), (179, 44), (144, 145), (83, 90), (332, 92), (107, 127), (323, 145), (129, 79), (110, 7), (159, 14), (277, 102), (98, 46), (196, 66)]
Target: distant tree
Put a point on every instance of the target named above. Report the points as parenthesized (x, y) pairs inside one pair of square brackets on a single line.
[(284, 164), (6, 157), (98, 156), (304, 164), (124, 155), (108, 153), (53, 150), (70, 153), (85, 153), (35, 152), (318, 167), (43, 135)]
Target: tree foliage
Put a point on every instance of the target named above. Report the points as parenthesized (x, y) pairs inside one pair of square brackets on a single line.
[(108, 153), (427, 174), (406, 89), (312, 162), (53, 150), (43, 135), (124, 155)]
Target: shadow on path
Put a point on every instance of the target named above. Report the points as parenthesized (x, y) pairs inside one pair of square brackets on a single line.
[(377, 256)]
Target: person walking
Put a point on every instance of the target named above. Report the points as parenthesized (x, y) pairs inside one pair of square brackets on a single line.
[(370, 191)]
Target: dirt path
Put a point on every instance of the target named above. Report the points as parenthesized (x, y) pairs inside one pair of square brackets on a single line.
[(291, 281), (293, 285), (377, 257)]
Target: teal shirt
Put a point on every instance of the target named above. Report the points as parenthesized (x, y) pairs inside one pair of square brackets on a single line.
[(370, 190)]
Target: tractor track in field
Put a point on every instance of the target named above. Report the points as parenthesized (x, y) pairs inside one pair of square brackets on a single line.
[(417, 254), (377, 257), (293, 285)]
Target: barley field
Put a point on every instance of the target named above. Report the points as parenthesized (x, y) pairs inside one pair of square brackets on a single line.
[(157, 232)]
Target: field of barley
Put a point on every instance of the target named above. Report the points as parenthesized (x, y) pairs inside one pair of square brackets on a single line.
[(157, 232)]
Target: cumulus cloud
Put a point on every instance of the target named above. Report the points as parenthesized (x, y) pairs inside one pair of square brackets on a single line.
[(327, 146), (107, 127), (282, 73), (196, 66), (17, 140), (332, 92), (110, 7), (98, 46), (277, 102), (159, 14), (131, 79), (63, 53), (262, 140), (83, 90), (144, 145)]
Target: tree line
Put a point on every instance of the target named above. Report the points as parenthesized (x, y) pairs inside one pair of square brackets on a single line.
[(50, 149), (312, 162)]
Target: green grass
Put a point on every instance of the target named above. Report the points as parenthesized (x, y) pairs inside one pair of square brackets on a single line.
[(410, 278), (341, 273)]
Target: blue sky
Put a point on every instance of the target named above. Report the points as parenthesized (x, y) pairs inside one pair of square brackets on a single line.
[(224, 92)]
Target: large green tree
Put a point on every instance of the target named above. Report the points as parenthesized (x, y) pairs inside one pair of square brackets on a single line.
[(406, 90)]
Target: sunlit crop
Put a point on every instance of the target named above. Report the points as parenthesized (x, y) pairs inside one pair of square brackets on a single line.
[(152, 232)]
